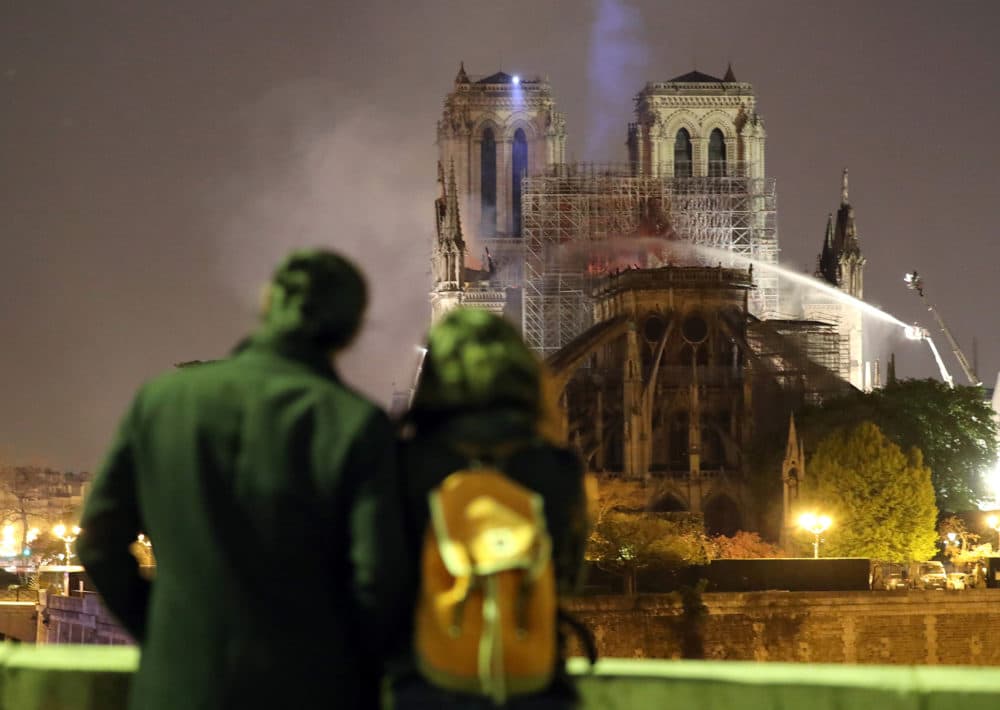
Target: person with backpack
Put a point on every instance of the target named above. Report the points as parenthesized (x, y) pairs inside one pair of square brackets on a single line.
[(495, 513), (266, 486)]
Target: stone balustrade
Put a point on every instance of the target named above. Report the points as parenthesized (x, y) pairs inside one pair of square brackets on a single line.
[(69, 677)]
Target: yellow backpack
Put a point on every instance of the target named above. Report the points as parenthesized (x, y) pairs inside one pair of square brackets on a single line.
[(486, 615)]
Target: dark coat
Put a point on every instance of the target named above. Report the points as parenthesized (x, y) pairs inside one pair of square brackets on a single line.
[(256, 479)]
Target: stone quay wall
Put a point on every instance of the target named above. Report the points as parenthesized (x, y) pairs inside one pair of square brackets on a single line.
[(77, 619), (905, 627)]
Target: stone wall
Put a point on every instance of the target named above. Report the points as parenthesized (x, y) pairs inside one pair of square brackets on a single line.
[(17, 621), (77, 619), (912, 627)]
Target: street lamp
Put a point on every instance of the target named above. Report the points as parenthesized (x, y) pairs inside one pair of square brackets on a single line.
[(994, 522), (815, 524), (68, 537)]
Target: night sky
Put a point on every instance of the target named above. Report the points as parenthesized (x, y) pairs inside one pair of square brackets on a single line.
[(157, 157)]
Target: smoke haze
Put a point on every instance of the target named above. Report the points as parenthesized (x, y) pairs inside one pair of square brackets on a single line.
[(320, 172), (158, 157)]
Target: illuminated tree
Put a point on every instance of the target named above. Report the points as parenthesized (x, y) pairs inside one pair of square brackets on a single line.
[(954, 428), (743, 546), (881, 500), (22, 499), (625, 543)]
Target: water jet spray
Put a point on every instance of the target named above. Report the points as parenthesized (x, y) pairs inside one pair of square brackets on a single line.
[(915, 332), (804, 280)]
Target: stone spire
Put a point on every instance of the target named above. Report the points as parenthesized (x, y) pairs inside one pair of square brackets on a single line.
[(827, 263), (461, 77), (449, 251), (793, 471), (841, 262), (454, 218), (890, 371), (793, 448), (730, 77)]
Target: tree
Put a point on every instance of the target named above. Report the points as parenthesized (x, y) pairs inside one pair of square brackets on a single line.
[(624, 543), (954, 428), (881, 500), (33, 496), (957, 538), (22, 499), (742, 546)]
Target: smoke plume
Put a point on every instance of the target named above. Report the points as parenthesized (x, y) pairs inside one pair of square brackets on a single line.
[(617, 54)]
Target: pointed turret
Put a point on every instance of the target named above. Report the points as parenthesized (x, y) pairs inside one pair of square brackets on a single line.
[(841, 262), (730, 77), (461, 77), (449, 252), (827, 263), (792, 449), (793, 471), (454, 218)]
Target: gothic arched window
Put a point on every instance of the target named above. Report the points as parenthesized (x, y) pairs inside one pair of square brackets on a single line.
[(716, 154), (682, 154), (678, 442), (519, 162), (488, 183)]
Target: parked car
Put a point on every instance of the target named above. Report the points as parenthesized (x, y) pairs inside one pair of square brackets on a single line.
[(958, 580), (887, 575), (893, 580), (928, 575)]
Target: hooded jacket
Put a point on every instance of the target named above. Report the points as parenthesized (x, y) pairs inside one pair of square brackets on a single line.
[(481, 388)]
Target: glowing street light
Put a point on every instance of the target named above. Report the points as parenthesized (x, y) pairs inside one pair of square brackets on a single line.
[(815, 524), (68, 537)]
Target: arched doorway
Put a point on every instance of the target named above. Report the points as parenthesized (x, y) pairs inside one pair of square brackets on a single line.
[(722, 516)]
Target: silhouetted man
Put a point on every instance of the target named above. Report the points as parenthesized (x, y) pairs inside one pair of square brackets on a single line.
[(266, 487)]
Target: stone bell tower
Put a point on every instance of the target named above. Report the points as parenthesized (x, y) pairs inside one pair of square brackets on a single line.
[(696, 125), (498, 129)]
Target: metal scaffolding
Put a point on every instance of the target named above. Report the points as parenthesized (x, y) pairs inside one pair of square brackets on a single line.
[(581, 221), (801, 354)]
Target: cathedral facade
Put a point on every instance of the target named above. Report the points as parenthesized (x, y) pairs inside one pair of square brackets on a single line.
[(646, 285)]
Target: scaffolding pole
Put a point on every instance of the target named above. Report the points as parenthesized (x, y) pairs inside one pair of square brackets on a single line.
[(580, 220)]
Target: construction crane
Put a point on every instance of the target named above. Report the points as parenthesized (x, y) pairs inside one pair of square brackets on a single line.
[(915, 283), (915, 332)]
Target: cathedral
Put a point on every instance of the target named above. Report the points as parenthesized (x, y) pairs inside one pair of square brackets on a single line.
[(649, 287)]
